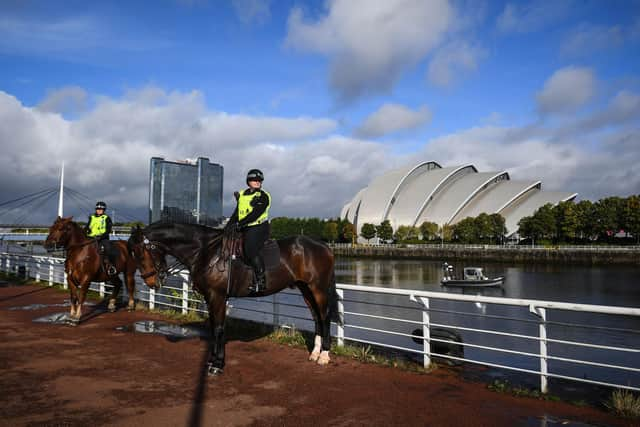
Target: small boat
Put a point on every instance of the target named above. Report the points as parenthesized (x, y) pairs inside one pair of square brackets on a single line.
[(473, 277)]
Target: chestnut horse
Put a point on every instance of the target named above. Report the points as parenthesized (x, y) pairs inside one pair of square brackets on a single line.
[(304, 263), (83, 264)]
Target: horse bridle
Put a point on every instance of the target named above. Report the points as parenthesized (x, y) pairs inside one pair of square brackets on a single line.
[(150, 247)]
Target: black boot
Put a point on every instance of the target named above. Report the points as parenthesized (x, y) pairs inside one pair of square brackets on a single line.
[(259, 283)]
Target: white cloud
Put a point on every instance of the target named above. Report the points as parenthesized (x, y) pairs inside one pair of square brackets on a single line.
[(588, 38), (566, 90), (252, 11), (370, 44), (457, 56), (108, 148), (69, 99), (393, 118), (527, 17)]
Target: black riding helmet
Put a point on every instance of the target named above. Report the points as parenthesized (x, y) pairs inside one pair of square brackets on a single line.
[(101, 205), (255, 174)]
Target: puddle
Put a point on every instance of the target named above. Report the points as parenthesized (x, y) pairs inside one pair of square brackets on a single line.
[(171, 331), (549, 421), (41, 306), (55, 318)]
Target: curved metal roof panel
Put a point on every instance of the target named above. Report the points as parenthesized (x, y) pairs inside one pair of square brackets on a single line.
[(407, 205), (453, 196), (380, 192), (529, 203), (494, 198)]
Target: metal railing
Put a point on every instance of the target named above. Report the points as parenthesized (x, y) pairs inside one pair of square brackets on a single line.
[(379, 316)]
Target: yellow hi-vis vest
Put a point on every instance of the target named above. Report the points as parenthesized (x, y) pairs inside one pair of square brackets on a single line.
[(244, 207), (97, 225)]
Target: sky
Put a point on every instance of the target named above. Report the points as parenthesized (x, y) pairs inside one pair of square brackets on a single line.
[(321, 96)]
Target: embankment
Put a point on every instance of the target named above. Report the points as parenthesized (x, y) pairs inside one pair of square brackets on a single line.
[(510, 254)]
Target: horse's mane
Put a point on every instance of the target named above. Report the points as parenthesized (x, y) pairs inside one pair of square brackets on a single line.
[(194, 230)]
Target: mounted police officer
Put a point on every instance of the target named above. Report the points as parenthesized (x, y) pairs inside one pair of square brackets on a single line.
[(251, 217), (99, 227)]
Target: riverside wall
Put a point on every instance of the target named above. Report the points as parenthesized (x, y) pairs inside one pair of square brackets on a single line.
[(517, 254)]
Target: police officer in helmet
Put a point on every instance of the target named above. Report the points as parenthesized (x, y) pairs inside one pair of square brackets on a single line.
[(99, 227), (251, 217)]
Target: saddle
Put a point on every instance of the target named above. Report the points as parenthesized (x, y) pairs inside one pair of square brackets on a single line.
[(270, 253)]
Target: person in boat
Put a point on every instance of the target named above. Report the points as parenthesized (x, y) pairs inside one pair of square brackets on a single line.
[(251, 218), (99, 227)]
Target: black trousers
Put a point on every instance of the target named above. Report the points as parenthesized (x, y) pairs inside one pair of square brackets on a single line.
[(110, 251), (253, 240)]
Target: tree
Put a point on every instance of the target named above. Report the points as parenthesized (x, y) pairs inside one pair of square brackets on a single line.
[(482, 228), (445, 233), (465, 230), (632, 216), (384, 231), (348, 231), (429, 230), (330, 231), (368, 231), (586, 215), (544, 222), (567, 221), (497, 227), (402, 233)]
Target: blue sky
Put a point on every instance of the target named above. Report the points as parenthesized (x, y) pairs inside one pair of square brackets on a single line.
[(363, 86)]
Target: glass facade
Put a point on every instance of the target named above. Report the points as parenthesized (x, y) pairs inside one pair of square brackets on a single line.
[(185, 192)]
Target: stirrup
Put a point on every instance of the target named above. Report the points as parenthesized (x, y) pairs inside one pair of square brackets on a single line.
[(111, 270)]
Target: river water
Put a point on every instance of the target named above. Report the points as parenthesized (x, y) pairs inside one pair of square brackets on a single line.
[(615, 286)]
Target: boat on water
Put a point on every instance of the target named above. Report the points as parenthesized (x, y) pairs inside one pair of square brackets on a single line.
[(472, 277)]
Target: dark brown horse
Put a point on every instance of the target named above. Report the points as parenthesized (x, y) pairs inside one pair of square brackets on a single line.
[(83, 264), (304, 263)]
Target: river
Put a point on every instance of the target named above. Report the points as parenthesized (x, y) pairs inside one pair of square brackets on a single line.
[(615, 286)]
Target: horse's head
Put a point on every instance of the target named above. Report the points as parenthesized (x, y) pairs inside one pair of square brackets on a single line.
[(59, 234), (149, 257)]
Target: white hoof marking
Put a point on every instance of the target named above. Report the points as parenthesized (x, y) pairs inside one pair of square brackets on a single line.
[(324, 358)]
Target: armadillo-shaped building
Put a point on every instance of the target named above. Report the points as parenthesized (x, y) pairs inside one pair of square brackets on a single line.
[(445, 195)]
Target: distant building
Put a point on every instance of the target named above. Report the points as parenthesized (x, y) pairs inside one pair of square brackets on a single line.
[(427, 191), (185, 192)]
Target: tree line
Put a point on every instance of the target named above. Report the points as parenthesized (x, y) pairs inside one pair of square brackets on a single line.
[(585, 221), (566, 222)]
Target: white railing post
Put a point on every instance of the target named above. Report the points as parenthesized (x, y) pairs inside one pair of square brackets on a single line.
[(37, 260), (541, 312), (152, 299), (340, 322), (426, 333), (65, 280), (276, 311), (101, 289), (50, 272), (185, 292)]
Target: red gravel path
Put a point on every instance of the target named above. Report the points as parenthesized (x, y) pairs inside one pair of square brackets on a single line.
[(93, 375)]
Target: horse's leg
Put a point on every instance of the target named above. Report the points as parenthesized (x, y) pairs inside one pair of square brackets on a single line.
[(313, 307), (322, 295), (117, 286), (217, 313), (73, 296), (131, 288)]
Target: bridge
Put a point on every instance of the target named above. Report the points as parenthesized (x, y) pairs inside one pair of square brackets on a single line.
[(21, 218)]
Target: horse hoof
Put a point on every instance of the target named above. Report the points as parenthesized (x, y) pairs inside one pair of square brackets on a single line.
[(313, 357), (324, 358), (111, 309), (214, 371)]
